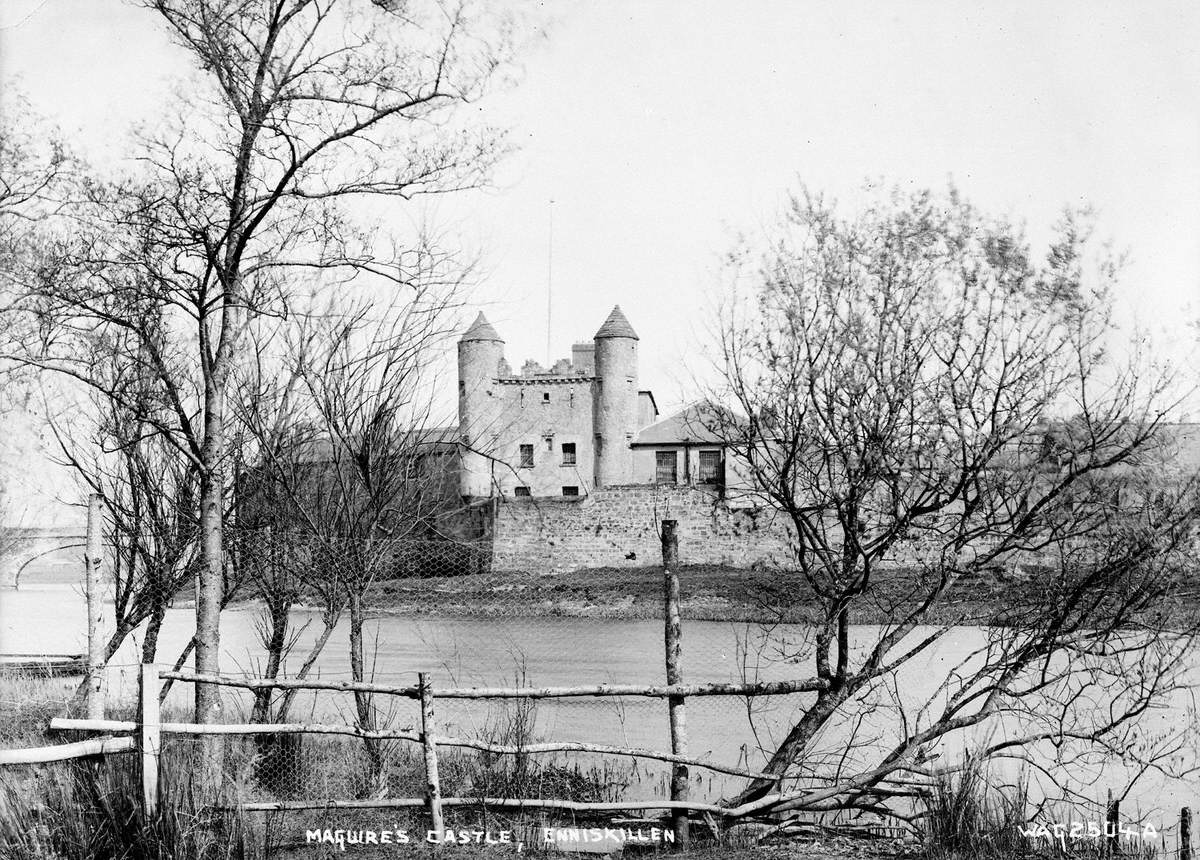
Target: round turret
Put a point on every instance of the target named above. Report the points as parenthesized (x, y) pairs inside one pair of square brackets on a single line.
[(616, 399), (480, 352)]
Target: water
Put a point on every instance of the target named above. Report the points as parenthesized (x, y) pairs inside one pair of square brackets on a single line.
[(559, 651)]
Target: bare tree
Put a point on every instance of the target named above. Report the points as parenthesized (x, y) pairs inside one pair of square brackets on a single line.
[(926, 404), (298, 108), (35, 173), (151, 513), (349, 466)]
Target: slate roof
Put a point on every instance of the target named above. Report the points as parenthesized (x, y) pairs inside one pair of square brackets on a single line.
[(481, 329), (689, 426), (617, 325), (319, 448)]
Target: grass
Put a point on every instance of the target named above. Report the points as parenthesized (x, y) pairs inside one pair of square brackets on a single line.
[(86, 809), (27, 703), (89, 810), (967, 818)]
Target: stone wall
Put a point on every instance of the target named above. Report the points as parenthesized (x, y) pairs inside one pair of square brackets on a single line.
[(620, 526), (543, 412)]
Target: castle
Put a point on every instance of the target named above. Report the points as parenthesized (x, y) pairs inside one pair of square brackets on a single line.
[(582, 425)]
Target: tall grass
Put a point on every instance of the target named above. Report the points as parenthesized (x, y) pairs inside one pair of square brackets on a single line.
[(90, 809), (966, 817), (27, 702), (85, 810)]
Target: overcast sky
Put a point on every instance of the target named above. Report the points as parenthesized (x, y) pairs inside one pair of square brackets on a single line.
[(661, 129)]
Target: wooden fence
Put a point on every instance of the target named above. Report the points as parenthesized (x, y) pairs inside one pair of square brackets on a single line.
[(144, 735)]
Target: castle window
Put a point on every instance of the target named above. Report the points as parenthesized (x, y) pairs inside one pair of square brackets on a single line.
[(710, 467), (570, 491), (521, 491), (526, 456), (568, 454), (665, 467), (545, 396)]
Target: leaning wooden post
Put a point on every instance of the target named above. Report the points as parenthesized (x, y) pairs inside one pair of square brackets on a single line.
[(93, 558), (1185, 833), (433, 788), (673, 646), (149, 737)]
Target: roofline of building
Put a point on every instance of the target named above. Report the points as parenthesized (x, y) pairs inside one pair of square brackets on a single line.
[(687, 443)]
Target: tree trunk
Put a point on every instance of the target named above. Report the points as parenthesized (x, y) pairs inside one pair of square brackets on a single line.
[(210, 585), (212, 554), (278, 609), (153, 627), (125, 626), (377, 778), (793, 745), (285, 704), (179, 661)]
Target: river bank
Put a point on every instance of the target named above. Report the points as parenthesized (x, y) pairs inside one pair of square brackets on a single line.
[(713, 593)]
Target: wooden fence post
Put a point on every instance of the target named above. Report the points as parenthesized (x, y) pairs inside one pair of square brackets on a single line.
[(149, 737), (1185, 833), (92, 559), (1113, 826), (673, 646), (433, 788)]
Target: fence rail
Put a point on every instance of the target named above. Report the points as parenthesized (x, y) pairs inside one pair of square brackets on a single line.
[(64, 752), (148, 729), (144, 736), (67, 724), (658, 691)]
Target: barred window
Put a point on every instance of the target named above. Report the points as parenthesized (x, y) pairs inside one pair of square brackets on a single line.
[(710, 467), (521, 491), (526, 456), (666, 468), (568, 453)]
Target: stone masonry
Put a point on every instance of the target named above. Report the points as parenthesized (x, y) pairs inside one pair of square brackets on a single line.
[(619, 527)]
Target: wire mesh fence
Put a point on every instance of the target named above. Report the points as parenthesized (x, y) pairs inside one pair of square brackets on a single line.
[(305, 606), (382, 611)]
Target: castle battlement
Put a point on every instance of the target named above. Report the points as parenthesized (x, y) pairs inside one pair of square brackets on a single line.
[(560, 431), (544, 379), (531, 370)]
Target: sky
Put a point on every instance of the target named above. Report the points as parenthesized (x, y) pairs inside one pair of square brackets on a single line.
[(663, 130)]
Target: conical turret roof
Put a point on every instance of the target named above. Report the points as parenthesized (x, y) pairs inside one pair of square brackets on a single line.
[(616, 325), (481, 329)]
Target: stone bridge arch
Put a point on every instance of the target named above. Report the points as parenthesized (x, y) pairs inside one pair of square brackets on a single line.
[(22, 548)]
